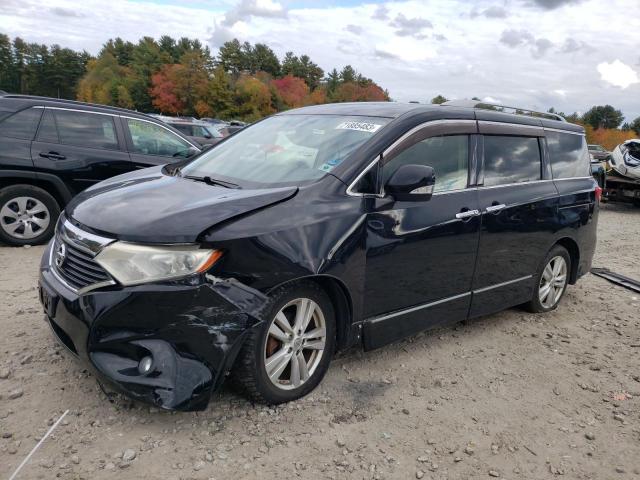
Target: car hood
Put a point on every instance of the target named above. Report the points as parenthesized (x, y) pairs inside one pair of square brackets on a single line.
[(151, 207)]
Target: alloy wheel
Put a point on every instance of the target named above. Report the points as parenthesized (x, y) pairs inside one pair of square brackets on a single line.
[(295, 343), (24, 217), (553, 282)]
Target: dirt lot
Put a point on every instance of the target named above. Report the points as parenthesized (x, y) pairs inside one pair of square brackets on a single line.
[(512, 395)]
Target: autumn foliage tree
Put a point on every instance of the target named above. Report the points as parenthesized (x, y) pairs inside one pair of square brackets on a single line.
[(164, 90), (292, 90)]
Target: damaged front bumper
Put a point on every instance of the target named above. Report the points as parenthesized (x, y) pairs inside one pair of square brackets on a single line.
[(169, 344)]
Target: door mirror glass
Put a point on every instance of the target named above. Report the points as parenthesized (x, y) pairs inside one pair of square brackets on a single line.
[(412, 183)]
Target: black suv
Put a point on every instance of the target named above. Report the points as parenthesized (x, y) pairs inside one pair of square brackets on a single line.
[(52, 149), (311, 231)]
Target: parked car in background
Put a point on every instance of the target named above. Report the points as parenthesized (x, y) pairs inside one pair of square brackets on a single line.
[(625, 159), (51, 149), (312, 231), (598, 152), (201, 132), (213, 121)]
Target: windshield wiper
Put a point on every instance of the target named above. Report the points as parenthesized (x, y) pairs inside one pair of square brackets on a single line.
[(213, 181)]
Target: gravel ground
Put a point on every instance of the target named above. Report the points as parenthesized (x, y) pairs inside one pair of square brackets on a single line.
[(511, 395)]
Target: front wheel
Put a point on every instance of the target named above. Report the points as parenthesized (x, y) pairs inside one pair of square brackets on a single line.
[(27, 215), (551, 281), (288, 355)]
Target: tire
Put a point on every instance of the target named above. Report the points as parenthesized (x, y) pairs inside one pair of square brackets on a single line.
[(261, 349), (33, 209), (540, 303)]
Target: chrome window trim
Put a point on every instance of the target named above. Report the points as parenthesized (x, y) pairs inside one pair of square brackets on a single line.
[(572, 178), (508, 124), (516, 184), (159, 125), (395, 144), (502, 284), (350, 191), (78, 110), (582, 134)]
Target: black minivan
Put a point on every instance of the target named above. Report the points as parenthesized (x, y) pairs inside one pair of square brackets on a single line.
[(51, 149), (312, 231)]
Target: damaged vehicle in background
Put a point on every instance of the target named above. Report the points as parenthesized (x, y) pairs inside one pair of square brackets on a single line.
[(625, 159), (312, 231)]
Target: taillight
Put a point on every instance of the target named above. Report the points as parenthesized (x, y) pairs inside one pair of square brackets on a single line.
[(598, 192)]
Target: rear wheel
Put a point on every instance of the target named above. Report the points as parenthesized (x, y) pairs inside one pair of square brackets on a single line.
[(551, 281), (27, 215), (290, 353)]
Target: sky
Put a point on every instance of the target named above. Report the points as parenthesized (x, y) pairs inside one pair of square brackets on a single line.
[(569, 54)]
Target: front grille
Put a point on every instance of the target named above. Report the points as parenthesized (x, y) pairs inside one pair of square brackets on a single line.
[(79, 269)]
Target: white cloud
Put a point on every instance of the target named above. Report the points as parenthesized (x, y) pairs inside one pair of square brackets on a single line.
[(618, 74), (444, 50)]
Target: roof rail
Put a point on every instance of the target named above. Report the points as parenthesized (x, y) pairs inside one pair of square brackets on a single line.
[(502, 108), (64, 100)]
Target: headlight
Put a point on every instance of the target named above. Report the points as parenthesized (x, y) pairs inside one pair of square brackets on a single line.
[(631, 161), (132, 264)]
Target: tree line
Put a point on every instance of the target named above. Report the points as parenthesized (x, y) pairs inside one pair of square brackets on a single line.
[(243, 80), (180, 77)]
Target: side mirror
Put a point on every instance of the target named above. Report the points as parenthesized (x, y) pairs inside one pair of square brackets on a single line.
[(188, 153), (411, 183), (207, 136)]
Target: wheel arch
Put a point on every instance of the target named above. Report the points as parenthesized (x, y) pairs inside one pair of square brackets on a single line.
[(51, 184), (574, 252), (341, 300)]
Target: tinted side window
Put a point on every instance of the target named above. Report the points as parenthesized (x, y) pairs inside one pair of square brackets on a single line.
[(21, 124), (448, 156), (86, 129), (511, 160), (151, 139), (199, 131), (569, 155), (48, 131), (186, 129)]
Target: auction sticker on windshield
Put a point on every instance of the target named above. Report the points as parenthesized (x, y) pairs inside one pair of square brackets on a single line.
[(360, 126)]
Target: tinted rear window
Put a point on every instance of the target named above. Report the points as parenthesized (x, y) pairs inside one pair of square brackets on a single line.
[(21, 124), (569, 155), (86, 129), (511, 160)]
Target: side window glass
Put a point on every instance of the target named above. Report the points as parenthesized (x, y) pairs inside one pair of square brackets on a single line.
[(368, 183), (86, 129), (569, 155), (151, 139), (511, 160), (48, 131), (447, 155), (21, 124), (199, 131)]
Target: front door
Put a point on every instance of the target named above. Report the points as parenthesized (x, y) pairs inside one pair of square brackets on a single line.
[(518, 206), (421, 254), (80, 147)]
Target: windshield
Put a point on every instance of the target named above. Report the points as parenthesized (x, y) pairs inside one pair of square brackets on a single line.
[(285, 149)]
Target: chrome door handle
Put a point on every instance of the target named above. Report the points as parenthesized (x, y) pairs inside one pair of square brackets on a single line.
[(467, 214), (495, 208)]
